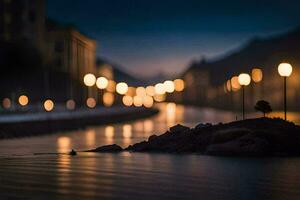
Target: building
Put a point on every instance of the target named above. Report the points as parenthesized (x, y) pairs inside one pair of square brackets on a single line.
[(23, 20)]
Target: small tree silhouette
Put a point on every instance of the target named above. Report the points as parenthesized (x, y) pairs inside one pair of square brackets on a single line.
[(263, 106)]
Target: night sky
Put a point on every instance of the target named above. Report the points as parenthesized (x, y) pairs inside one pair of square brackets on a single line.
[(162, 36)]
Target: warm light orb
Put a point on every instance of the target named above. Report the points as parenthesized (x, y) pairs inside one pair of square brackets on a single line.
[(148, 101), (89, 80), (257, 75), (159, 88), (159, 97), (244, 79), (179, 85), (122, 88), (150, 90), (102, 83), (127, 100), (131, 91), (48, 105), (228, 85), (285, 69), (91, 102), (169, 86), (111, 87), (108, 99), (23, 100), (6, 103), (71, 104), (141, 91), (138, 101), (235, 85)]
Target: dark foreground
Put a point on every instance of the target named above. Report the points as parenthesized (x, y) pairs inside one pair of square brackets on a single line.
[(252, 137)]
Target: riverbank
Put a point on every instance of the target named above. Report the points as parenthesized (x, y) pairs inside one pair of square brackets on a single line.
[(251, 137), (31, 124)]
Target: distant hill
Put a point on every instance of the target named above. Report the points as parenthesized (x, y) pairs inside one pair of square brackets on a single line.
[(120, 74), (265, 53)]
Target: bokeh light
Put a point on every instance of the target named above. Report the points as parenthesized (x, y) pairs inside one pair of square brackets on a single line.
[(91, 102), (257, 75), (108, 99), (244, 79), (150, 90), (235, 85), (127, 100), (169, 86), (138, 101), (141, 91), (111, 86), (159, 97), (102, 83), (6, 103), (71, 104), (148, 101), (89, 80), (23, 100), (48, 105), (179, 85), (159, 88), (285, 69), (122, 88)]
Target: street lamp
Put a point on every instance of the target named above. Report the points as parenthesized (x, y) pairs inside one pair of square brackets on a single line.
[(285, 70), (244, 80)]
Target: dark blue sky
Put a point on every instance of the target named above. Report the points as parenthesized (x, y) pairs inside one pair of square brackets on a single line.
[(152, 36)]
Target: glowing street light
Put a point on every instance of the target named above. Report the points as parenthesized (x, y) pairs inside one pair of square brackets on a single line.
[(89, 80), (122, 88), (48, 105), (285, 70), (23, 100), (102, 83), (244, 80)]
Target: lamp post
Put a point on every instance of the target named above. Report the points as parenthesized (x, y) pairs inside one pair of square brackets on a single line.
[(244, 80), (285, 70)]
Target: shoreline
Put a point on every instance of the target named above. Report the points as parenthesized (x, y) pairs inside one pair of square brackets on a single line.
[(49, 123)]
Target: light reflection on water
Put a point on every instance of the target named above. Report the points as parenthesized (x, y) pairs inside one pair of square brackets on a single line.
[(136, 175)]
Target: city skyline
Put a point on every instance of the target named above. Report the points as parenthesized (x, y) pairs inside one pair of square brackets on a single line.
[(163, 37)]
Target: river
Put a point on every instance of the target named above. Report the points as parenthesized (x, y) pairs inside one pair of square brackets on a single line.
[(24, 175)]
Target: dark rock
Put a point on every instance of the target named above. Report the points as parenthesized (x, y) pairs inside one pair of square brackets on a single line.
[(178, 128), (107, 149), (152, 137), (73, 153)]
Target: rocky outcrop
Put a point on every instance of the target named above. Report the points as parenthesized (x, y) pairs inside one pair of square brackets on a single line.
[(251, 137), (107, 149)]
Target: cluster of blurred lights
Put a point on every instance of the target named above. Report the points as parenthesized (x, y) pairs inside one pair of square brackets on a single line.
[(139, 96)]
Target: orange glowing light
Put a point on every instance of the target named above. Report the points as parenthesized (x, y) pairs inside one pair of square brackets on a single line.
[(159, 88), (257, 75), (159, 97), (150, 90), (48, 105), (235, 85), (138, 101), (71, 104), (127, 100), (179, 85), (148, 101), (169, 86), (108, 99), (23, 100), (111, 87), (6, 103), (140, 91), (91, 102)]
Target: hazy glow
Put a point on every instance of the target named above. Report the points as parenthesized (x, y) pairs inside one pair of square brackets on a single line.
[(228, 85), (159, 88), (150, 90), (244, 79), (109, 132), (122, 88), (91, 102), (6, 103), (127, 100), (235, 85), (23, 100), (148, 101), (89, 80), (102, 82), (127, 131), (111, 87), (131, 91), (285, 69), (71, 104), (169, 86), (140, 91), (108, 99), (138, 101), (179, 85), (48, 105), (64, 144), (159, 97), (257, 75)]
